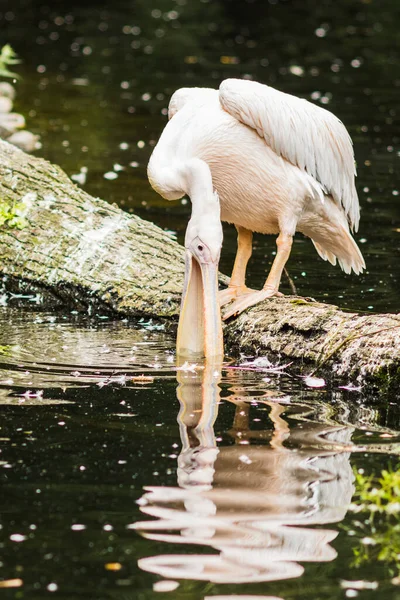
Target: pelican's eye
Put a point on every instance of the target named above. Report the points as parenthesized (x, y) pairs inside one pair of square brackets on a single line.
[(200, 250)]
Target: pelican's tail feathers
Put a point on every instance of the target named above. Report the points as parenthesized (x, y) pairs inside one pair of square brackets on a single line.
[(354, 261), (344, 249), (324, 254)]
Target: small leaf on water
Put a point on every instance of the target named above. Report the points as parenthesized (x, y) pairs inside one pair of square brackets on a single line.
[(113, 566), (11, 583), (350, 388), (230, 597), (359, 584), (314, 382), (165, 585), (110, 175), (142, 379), (187, 367)]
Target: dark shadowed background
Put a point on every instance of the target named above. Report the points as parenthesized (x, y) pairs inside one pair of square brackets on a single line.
[(97, 77)]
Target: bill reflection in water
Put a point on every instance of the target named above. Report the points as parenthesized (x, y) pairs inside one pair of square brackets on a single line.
[(256, 501)]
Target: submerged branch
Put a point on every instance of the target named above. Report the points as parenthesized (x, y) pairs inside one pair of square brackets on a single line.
[(83, 252)]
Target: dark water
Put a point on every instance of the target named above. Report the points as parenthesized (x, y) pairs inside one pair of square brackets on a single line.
[(119, 472)]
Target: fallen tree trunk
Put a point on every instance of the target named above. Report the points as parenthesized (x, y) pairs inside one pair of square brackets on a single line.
[(82, 249), (86, 253)]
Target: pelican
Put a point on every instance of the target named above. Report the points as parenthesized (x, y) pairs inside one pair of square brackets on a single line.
[(265, 161)]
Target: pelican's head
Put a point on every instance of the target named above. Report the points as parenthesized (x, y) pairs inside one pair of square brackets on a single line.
[(200, 330)]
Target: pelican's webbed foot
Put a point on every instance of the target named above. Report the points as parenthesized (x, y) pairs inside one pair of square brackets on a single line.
[(250, 299), (232, 292)]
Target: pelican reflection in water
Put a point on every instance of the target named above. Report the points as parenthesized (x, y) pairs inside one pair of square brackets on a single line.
[(256, 501)]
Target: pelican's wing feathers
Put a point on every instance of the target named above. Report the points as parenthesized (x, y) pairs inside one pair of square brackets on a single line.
[(306, 135)]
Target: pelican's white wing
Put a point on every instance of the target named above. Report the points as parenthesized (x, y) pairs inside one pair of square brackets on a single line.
[(306, 135), (195, 95)]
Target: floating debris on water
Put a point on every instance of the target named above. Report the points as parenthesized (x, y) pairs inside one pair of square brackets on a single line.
[(350, 387), (143, 379), (314, 382), (11, 583), (81, 176), (189, 368), (110, 175), (359, 585), (165, 585), (113, 566)]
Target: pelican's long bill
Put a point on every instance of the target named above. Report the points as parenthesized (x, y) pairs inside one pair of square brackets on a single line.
[(200, 329)]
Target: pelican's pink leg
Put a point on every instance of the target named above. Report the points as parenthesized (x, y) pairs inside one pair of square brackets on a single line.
[(284, 245), (237, 286)]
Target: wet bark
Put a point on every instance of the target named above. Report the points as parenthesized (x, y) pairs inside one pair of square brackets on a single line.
[(81, 251), (350, 345)]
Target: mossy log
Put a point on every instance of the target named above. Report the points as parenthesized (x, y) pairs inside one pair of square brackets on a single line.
[(89, 254)]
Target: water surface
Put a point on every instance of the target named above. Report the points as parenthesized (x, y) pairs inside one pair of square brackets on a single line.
[(121, 470)]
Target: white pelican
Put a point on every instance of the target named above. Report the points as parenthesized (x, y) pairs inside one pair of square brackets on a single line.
[(265, 161)]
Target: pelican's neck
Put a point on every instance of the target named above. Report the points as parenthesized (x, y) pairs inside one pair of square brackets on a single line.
[(199, 187)]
